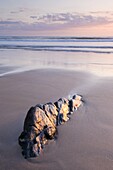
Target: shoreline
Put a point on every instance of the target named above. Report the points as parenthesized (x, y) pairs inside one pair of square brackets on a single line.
[(18, 61), (85, 142), (8, 71)]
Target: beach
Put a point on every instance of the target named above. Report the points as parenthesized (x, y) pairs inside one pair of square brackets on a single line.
[(38, 70), (84, 143)]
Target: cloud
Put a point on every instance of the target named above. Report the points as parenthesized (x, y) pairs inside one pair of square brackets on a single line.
[(33, 17), (54, 18), (12, 25), (58, 17), (55, 21), (18, 11), (73, 19), (21, 10), (8, 22), (13, 12), (100, 12)]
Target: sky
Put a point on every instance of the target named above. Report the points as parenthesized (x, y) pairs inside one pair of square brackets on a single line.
[(56, 17)]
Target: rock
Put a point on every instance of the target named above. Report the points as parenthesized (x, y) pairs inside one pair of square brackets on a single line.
[(41, 123)]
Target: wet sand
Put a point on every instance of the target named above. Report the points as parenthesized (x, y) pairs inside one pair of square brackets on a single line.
[(84, 143)]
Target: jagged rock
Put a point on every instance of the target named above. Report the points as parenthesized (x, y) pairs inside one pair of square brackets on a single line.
[(41, 123)]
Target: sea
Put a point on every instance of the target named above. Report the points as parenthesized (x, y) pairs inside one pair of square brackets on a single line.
[(24, 53)]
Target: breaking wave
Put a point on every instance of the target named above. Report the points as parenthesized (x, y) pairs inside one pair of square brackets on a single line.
[(67, 44)]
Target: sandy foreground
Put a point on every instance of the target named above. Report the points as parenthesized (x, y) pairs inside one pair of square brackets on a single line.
[(84, 143)]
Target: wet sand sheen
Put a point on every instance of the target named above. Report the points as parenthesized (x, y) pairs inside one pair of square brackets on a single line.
[(84, 143)]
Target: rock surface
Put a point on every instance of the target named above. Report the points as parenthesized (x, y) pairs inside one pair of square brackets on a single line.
[(41, 123)]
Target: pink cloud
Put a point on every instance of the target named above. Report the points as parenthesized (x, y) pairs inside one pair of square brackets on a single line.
[(55, 21)]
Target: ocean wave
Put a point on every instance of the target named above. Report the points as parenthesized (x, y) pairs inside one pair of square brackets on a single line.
[(56, 38), (94, 49), (67, 44)]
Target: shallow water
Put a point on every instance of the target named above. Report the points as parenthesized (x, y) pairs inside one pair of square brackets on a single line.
[(18, 60), (18, 54)]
